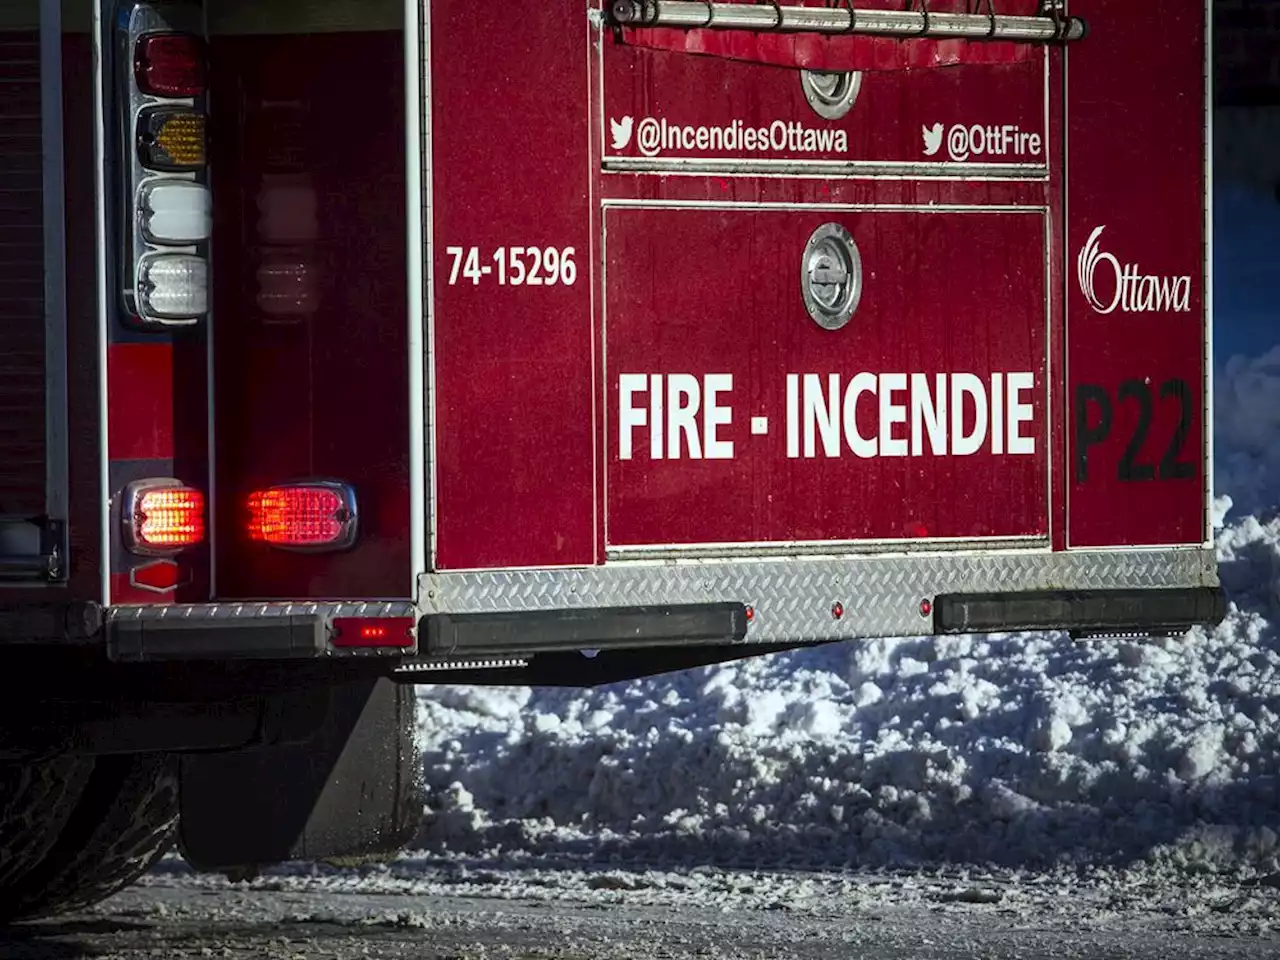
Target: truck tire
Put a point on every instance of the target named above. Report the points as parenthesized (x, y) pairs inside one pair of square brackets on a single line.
[(37, 798), (123, 822)]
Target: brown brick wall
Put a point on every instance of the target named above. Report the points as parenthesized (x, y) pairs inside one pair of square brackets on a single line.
[(1247, 51)]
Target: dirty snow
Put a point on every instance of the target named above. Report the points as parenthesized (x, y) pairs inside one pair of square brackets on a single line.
[(1015, 751)]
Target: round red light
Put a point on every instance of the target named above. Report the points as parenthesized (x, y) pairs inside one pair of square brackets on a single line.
[(837, 610), (751, 614), (926, 608)]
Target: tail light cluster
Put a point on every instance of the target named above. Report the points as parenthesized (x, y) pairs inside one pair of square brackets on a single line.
[(165, 221), (162, 517), (166, 207)]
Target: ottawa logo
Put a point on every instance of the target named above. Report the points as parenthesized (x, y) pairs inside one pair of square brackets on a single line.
[(1124, 287)]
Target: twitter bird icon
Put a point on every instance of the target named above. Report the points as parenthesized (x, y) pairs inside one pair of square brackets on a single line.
[(932, 139), (621, 132)]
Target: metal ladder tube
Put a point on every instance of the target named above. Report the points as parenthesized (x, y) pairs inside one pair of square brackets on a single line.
[(836, 20)]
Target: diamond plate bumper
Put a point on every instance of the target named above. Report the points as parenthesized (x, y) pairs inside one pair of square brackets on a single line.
[(241, 631), (797, 600)]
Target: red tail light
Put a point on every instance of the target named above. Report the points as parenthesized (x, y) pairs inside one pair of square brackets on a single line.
[(162, 517), (304, 516), (169, 65)]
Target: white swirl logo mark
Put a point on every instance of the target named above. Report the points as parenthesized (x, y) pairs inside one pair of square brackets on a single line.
[(1133, 291)]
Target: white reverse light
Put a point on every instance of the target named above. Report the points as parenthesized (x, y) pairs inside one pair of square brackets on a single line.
[(173, 288), (175, 212)]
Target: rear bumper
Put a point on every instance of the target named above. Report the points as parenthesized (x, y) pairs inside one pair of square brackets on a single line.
[(252, 631), (512, 614), (817, 599)]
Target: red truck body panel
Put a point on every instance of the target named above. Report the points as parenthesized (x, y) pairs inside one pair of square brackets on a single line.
[(970, 191), (515, 367), (1137, 346)]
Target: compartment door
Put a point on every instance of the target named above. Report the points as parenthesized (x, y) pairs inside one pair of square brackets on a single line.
[(784, 377), (1137, 301)]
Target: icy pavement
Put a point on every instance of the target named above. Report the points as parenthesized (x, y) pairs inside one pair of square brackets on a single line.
[(1023, 751), (425, 909)]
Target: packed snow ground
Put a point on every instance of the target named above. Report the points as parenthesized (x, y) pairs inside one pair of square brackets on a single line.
[(1015, 751)]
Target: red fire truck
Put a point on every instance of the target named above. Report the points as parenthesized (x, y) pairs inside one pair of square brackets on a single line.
[(351, 346)]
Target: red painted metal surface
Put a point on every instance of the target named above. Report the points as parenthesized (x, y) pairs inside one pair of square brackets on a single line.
[(678, 300), (514, 419), (712, 298), (140, 379), (1135, 201), (309, 274), (747, 111)]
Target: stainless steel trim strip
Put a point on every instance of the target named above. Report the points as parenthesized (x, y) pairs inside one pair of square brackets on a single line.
[(845, 19)]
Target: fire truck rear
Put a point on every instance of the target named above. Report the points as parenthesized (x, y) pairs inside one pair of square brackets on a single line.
[(345, 347)]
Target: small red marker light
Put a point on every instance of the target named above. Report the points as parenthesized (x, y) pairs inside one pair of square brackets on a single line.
[(373, 632), (170, 65), (926, 608), (751, 614), (837, 610)]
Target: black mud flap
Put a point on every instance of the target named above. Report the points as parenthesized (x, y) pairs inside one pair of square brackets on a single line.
[(354, 789)]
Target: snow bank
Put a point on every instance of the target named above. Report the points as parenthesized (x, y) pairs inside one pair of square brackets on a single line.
[(1023, 750)]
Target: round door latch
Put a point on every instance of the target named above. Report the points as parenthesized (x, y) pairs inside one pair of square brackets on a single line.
[(831, 95), (831, 276)]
